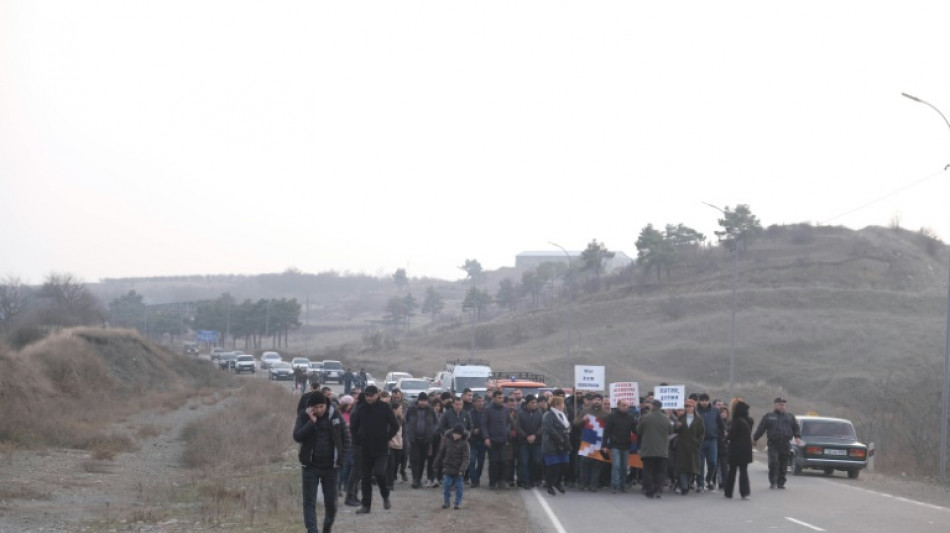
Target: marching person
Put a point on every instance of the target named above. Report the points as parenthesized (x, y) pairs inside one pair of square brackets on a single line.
[(653, 434), (373, 425), (319, 430), (740, 451), (690, 434), (555, 445), (779, 428), (453, 462)]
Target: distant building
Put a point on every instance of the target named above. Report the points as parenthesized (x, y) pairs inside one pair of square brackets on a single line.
[(534, 259)]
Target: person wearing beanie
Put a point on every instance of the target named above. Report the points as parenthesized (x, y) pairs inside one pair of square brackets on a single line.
[(453, 461), (779, 427), (690, 433), (373, 425), (421, 423), (319, 430)]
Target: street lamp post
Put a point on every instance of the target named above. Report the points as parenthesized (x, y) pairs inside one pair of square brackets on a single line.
[(570, 309), (735, 282), (945, 397)]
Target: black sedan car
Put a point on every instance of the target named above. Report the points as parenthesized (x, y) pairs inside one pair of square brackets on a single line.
[(828, 444), (280, 371)]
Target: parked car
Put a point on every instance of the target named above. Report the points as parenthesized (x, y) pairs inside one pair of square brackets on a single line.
[(280, 371), (216, 353), (332, 371), (316, 370), (411, 387), (828, 444), (245, 363), (393, 377), (226, 360), (300, 362), (269, 358)]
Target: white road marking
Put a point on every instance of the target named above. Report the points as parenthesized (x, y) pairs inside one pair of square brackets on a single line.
[(806, 524), (900, 498), (547, 510)]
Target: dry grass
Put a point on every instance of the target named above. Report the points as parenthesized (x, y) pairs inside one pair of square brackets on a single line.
[(67, 389), (19, 491)]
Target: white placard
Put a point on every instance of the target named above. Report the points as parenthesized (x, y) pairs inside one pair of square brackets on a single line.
[(672, 396), (629, 391), (589, 378)]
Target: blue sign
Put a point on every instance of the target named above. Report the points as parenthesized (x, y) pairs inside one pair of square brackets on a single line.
[(207, 335)]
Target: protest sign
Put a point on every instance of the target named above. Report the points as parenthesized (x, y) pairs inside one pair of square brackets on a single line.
[(629, 391), (672, 396)]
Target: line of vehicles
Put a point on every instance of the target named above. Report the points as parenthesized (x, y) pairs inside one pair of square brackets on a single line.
[(278, 369)]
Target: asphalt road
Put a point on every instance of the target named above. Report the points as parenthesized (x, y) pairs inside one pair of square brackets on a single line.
[(811, 502)]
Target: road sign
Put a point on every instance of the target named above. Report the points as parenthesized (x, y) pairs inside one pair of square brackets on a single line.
[(208, 335)]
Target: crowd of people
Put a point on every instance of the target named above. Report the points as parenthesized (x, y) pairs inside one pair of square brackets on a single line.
[(552, 441)]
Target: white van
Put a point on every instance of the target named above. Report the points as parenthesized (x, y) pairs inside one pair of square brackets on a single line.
[(459, 376)]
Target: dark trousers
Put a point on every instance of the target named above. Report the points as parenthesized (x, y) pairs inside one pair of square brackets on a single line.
[(395, 458), (654, 475), (477, 462), (496, 463), (553, 474), (373, 466), (589, 472), (744, 489), (529, 462), (312, 477), (778, 465), (723, 469), (355, 474), (418, 452)]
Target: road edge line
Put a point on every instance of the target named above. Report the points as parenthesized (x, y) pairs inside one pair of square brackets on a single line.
[(548, 511)]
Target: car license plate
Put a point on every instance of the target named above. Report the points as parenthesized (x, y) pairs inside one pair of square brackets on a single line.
[(831, 451)]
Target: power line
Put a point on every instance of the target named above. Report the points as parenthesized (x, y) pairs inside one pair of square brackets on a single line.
[(888, 195)]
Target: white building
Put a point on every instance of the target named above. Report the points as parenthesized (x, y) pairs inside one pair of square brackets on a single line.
[(534, 259)]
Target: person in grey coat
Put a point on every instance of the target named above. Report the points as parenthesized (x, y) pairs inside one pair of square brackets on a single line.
[(780, 428), (653, 434)]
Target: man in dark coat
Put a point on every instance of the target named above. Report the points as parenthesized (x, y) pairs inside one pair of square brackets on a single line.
[(620, 424), (421, 425), (372, 426), (319, 429), (496, 425), (528, 426), (476, 442), (653, 434), (779, 427)]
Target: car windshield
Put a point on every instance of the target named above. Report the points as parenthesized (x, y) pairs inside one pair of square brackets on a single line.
[(400, 375), (415, 384), (332, 365), (271, 356), (245, 358), (281, 365), (830, 428), (470, 383), (301, 361)]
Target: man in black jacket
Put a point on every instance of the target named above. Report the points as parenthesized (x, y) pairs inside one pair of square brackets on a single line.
[(528, 428), (372, 427), (421, 424), (319, 430), (496, 425)]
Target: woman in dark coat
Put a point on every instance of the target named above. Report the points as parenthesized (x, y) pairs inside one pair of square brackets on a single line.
[(690, 433), (555, 445), (740, 450)]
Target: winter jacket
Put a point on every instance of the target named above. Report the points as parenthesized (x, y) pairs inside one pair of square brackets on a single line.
[(779, 429), (496, 423), (528, 423), (711, 421), (653, 432), (689, 440), (316, 449), (555, 437), (619, 427), (453, 455), (450, 419), (373, 425), (476, 425), (417, 416)]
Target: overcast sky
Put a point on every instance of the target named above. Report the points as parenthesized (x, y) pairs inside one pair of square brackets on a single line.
[(146, 138)]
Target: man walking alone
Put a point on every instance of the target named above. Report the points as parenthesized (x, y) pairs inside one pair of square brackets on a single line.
[(779, 427)]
